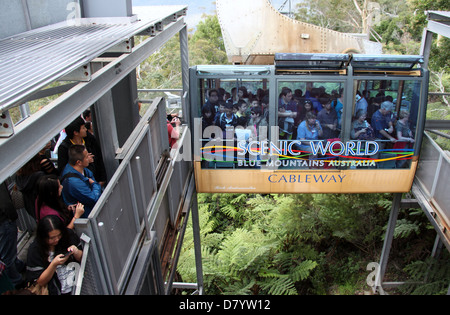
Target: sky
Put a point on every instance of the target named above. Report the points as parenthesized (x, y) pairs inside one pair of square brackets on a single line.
[(196, 8)]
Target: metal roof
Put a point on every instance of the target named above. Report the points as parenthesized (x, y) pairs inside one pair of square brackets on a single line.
[(29, 61), (442, 16)]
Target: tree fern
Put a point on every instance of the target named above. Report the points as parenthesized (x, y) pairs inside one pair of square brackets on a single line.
[(254, 244), (303, 270), (278, 283), (243, 287), (405, 228), (282, 285), (243, 249), (429, 277)]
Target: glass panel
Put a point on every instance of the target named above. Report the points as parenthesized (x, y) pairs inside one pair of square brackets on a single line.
[(311, 61), (309, 121), (384, 62), (233, 70), (231, 110), (441, 196), (387, 111), (428, 165)]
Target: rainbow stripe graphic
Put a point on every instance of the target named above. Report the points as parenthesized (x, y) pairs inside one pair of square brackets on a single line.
[(221, 151)]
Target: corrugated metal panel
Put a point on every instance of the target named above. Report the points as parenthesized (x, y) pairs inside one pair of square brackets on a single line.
[(254, 31), (31, 60)]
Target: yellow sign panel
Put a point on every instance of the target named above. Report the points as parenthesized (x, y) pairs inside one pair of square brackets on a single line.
[(316, 181)]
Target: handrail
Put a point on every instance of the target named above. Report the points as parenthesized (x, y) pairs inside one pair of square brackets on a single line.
[(432, 180), (127, 208)]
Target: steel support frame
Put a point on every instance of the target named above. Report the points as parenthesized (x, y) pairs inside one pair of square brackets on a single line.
[(442, 29), (433, 27), (32, 135), (197, 244), (190, 206), (389, 237), (184, 53)]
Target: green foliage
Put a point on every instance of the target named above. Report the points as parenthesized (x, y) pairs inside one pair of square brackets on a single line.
[(209, 30), (248, 257), (254, 244), (399, 23), (324, 14), (358, 219), (429, 277), (418, 16), (405, 228), (299, 244), (281, 285), (162, 70)]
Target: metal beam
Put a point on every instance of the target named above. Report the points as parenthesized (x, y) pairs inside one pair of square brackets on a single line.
[(184, 53), (31, 135), (430, 212), (389, 237), (437, 124), (439, 28), (197, 244)]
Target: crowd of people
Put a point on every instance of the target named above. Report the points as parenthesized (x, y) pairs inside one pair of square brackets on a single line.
[(313, 116), (59, 185), (55, 193)]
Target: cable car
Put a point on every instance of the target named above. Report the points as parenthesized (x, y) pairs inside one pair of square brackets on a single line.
[(310, 123)]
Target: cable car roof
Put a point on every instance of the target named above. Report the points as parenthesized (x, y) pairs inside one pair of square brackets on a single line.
[(386, 62), (341, 61), (311, 61)]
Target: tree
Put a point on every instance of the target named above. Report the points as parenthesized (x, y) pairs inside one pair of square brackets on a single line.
[(163, 68), (324, 14), (206, 46), (348, 16), (397, 24)]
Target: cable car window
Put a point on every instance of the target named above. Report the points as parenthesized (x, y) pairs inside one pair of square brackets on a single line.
[(387, 111), (309, 119), (231, 110), (387, 63)]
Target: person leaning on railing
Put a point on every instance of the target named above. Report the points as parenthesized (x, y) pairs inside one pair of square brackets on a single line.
[(48, 258)]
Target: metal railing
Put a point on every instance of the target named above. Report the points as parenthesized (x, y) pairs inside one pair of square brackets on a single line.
[(431, 185), (135, 202)]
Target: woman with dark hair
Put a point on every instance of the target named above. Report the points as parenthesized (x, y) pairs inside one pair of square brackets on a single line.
[(50, 202), (27, 181), (208, 115), (54, 247), (309, 131)]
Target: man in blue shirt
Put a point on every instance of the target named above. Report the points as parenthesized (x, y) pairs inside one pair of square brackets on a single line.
[(382, 123), (79, 184)]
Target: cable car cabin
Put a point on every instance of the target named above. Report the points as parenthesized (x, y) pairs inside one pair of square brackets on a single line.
[(311, 123)]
